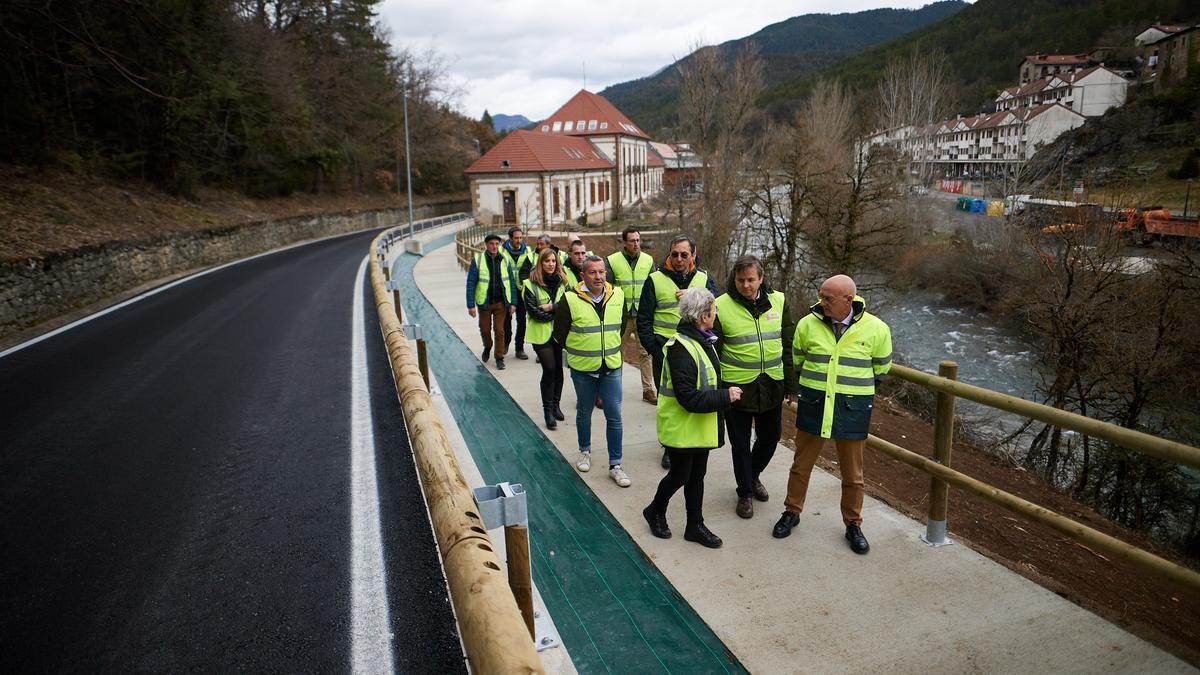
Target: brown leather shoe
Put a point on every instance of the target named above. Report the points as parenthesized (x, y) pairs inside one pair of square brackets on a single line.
[(745, 507), (650, 397), (760, 491)]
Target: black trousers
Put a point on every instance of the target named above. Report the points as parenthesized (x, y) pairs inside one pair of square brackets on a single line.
[(656, 361), (749, 462), (687, 472), (551, 357), (508, 327)]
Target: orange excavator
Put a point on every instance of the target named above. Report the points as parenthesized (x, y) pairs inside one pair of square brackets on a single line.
[(1156, 222)]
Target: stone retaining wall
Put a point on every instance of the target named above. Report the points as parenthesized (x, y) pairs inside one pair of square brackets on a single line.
[(35, 290)]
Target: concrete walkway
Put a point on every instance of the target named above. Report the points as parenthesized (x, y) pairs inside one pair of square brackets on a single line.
[(806, 603)]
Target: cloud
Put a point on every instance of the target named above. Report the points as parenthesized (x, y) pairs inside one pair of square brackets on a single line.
[(526, 57)]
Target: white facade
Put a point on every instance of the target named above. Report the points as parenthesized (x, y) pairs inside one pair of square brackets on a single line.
[(1090, 92), (542, 199), (983, 144)]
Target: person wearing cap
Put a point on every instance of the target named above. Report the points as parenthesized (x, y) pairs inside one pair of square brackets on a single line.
[(628, 269), (491, 296), (520, 259)]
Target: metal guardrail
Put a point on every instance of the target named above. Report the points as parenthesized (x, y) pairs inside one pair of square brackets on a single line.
[(942, 476), (493, 631)]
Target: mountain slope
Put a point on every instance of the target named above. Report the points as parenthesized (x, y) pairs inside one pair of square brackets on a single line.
[(789, 49), (985, 43), (502, 122)]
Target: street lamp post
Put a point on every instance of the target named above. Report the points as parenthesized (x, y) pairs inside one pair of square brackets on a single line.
[(408, 159)]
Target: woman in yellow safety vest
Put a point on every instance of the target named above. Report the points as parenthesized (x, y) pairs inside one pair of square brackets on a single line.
[(688, 415), (542, 292)]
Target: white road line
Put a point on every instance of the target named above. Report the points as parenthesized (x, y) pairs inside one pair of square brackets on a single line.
[(371, 638), (164, 287)]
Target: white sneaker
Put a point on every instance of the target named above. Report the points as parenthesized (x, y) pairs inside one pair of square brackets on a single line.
[(619, 476), (585, 462)]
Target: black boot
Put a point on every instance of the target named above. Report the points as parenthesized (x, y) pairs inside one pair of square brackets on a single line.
[(558, 415), (666, 459), (550, 423), (701, 535), (657, 522)]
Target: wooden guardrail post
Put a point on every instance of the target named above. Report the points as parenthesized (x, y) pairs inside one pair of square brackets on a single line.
[(943, 443), (520, 579), (423, 361)]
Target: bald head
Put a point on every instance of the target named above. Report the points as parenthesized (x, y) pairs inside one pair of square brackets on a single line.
[(837, 296)]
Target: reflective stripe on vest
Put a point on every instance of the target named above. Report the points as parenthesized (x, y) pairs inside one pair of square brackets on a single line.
[(538, 332), (666, 310), (631, 279), (846, 366), (751, 346), (590, 341), (485, 278), (678, 428)]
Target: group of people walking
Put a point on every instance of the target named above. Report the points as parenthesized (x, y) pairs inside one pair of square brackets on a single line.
[(715, 364)]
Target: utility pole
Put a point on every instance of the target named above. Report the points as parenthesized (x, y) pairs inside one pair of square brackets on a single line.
[(408, 154)]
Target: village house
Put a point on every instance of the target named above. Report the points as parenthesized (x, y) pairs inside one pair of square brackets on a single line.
[(1166, 53), (1039, 66), (585, 160), (1089, 92)]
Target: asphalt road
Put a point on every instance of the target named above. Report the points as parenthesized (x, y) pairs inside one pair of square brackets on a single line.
[(176, 489)]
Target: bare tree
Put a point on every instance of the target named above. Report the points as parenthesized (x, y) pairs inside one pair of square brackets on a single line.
[(915, 92), (716, 105)]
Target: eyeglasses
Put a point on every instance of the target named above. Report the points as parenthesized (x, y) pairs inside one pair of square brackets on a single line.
[(681, 254)]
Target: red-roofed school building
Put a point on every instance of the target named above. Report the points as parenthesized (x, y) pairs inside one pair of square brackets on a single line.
[(586, 158)]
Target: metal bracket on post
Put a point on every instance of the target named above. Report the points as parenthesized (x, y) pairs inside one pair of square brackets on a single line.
[(501, 505), (413, 331), (935, 534), (391, 285), (504, 505)]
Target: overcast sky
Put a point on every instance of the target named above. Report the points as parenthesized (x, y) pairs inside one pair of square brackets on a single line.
[(527, 57)]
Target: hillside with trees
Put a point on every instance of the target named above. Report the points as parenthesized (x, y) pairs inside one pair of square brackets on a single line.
[(789, 49), (263, 97), (985, 42)]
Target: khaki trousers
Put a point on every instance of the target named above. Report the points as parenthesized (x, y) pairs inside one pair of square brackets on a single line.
[(644, 362), (491, 321), (850, 461)]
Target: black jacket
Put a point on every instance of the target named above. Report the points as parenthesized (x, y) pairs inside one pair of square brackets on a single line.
[(683, 380), (648, 304), (763, 393), (562, 321), (533, 307)]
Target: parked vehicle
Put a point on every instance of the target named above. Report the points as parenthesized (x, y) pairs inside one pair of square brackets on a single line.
[(1155, 222)]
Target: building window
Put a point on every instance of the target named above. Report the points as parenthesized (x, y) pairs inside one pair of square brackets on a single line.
[(591, 125), (556, 204), (577, 192), (567, 126), (557, 127), (592, 186), (603, 125), (579, 125), (545, 128)]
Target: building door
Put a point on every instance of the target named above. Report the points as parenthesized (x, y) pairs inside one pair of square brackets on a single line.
[(567, 201), (510, 206)]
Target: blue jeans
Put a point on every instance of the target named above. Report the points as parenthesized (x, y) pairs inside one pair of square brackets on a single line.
[(608, 387)]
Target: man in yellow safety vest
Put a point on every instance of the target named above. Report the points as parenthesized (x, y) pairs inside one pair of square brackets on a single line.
[(628, 269), (839, 352), (658, 308)]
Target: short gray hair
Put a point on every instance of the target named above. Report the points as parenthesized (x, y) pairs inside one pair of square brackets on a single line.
[(695, 303), (546, 238), (591, 259)]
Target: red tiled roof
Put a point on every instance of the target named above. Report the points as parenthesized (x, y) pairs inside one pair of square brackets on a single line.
[(526, 151), (1056, 59), (600, 118), (1029, 113), (653, 159), (665, 151)]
